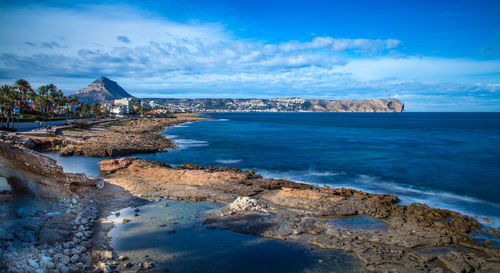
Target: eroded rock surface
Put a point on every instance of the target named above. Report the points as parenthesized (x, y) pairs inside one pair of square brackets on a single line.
[(295, 211), (122, 137)]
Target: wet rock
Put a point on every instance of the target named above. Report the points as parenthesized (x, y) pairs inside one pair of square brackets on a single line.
[(122, 258), (145, 265), (124, 221)]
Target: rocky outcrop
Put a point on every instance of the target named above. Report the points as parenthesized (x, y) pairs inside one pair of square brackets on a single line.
[(287, 210), (119, 138), (38, 174), (373, 105), (39, 144), (102, 90), (241, 204)]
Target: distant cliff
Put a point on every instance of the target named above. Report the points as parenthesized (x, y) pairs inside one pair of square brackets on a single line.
[(102, 90), (280, 105), (373, 105)]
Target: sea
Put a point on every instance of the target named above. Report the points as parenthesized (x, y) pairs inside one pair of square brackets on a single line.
[(445, 160)]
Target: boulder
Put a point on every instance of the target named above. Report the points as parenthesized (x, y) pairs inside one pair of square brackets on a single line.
[(246, 204)]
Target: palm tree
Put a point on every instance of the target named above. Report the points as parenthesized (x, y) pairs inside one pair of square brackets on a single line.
[(53, 95), (13, 97), (42, 98), (72, 100), (8, 97), (4, 99), (25, 90)]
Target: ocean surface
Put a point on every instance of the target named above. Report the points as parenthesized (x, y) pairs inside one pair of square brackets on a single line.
[(446, 160)]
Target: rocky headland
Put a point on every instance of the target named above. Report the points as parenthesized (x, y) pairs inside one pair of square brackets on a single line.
[(107, 139)]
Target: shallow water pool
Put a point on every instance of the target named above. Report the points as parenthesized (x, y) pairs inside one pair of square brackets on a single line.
[(173, 237)]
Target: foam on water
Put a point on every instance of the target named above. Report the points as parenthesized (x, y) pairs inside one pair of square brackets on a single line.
[(228, 161), (406, 193)]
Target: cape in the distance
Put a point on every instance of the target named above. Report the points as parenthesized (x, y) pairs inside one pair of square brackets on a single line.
[(104, 90)]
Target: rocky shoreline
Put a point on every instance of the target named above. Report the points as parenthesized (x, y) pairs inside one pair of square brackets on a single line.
[(63, 228), (417, 239), (107, 139)]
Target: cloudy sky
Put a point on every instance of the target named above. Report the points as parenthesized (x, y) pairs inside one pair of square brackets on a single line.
[(434, 56)]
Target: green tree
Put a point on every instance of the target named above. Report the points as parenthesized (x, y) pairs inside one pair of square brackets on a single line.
[(42, 99), (4, 99), (84, 109), (72, 100), (8, 96), (96, 110), (26, 91)]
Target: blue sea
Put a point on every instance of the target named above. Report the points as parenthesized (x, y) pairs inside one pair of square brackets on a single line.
[(446, 160)]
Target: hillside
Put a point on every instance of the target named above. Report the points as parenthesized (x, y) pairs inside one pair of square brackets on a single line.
[(280, 105), (102, 90)]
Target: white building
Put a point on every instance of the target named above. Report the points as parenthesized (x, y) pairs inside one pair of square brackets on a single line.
[(119, 110), (125, 102)]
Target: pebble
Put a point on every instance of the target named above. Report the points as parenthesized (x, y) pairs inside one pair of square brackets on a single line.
[(122, 258), (50, 265), (75, 258), (63, 269), (65, 259)]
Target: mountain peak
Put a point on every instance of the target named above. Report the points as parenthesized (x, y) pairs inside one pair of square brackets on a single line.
[(102, 90), (103, 79)]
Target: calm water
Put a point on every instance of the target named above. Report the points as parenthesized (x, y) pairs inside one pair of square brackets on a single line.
[(447, 160), (193, 248)]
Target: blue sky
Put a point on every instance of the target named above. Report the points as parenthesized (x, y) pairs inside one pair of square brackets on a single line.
[(433, 55)]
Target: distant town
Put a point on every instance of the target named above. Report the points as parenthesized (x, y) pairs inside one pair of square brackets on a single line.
[(104, 98)]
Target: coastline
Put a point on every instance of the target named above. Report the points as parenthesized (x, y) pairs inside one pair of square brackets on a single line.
[(282, 199)]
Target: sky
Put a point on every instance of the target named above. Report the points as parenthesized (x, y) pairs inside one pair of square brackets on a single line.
[(432, 55)]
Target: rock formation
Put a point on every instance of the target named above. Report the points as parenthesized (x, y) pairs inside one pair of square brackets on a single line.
[(121, 138)]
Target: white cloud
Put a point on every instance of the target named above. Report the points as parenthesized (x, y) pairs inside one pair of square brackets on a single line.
[(424, 69), (152, 55)]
